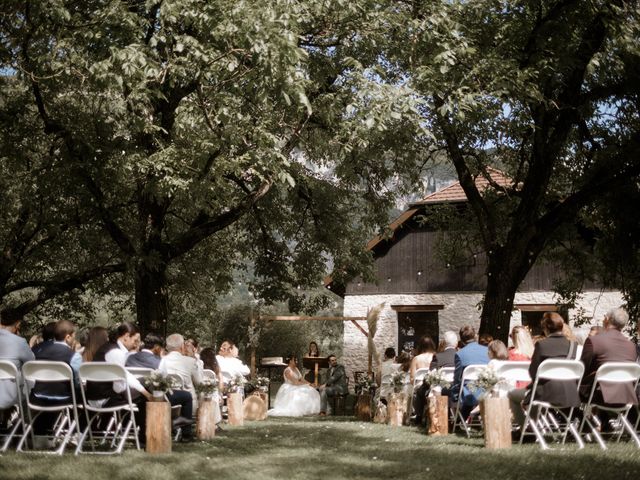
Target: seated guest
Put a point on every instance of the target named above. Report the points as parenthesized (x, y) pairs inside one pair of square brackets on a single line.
[(186, 367), (472, 353), (209, 362), (149, 357), (15, 349), (96, 338), (336, 384), (559, 393), (425, 351), (62, 349), (150, 354), (230, 365), (388, 367), (610, 345), (497, 352), (124, 339), (522, 349), (46, 335), (485, 339), (446, 357)]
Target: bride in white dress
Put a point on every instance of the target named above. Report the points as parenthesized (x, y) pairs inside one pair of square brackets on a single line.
[(295, 396)]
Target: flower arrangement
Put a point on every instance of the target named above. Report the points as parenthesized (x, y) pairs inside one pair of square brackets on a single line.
[(236, 384), (397, 381), (365, 385), (437, 378), (487, 380), (157, 381), (206, 387)]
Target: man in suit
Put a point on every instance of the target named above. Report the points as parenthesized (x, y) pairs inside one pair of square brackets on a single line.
[(472, 353), (610, 345), (447, 357), (560, 393), (61, 349), (149, 356), (336, 384), (15, 349), (48, 335)]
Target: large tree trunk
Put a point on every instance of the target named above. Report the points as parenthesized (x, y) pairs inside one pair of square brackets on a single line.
[(152, 298), (498, 303)]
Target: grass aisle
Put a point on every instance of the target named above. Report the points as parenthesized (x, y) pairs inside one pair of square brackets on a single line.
[(315, 448)]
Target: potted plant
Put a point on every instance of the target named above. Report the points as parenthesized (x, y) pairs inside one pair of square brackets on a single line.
[(206, 389), (397, 402), (437, 380), (158, 384)]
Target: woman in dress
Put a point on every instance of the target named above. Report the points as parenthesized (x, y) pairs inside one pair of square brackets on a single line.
[(313, 352), (522, 349), (295, 396)]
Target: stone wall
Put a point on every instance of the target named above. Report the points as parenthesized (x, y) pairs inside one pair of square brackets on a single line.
[(459, 309)]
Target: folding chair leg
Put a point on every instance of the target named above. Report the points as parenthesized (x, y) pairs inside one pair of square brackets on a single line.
[(630, 430), (11, 434), (576, 435)]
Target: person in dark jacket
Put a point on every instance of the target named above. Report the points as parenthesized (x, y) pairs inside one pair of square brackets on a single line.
[(558, 393)]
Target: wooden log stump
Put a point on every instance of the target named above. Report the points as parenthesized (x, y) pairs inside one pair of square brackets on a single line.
[(363, 407), (158, 427), (206, 423), (234, 409), (396, 409), (438, 408), (496, 419)]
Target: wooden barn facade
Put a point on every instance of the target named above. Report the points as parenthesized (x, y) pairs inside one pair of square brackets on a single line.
[(424, 295)]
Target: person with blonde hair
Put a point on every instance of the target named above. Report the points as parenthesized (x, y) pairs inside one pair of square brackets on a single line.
[(522, 349)]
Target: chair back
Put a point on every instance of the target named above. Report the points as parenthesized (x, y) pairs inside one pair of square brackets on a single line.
[(448, 373), (46, 371), (9, 372), (514, 371), (139, 372), (176, 381), (471, 372), (560, 369), (209, 375), (618, 372), (102, 372)]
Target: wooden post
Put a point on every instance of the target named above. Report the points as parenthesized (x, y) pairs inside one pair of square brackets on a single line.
[(396, 409), (363, 407), (234, 409), (158, 427), (206, 425), (496, 419), (438, 407)]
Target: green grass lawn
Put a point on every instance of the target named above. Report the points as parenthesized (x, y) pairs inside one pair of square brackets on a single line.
[(316, 448)]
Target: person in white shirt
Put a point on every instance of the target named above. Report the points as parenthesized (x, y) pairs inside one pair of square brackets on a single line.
[(230, 365), (186, 367)]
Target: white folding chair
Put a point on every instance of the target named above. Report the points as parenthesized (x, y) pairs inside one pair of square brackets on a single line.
[(611, 373), (209, 375), (512, 372), (545, 418), (66, 425), (122, 423), (10, 379), (139, 372), (469, 374), (448, 373)]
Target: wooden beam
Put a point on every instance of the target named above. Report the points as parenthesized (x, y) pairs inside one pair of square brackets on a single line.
[(536, 307), (366, 334), (270, 318), (417, 308)]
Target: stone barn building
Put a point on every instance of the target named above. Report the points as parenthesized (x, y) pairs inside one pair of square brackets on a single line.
[(423, 295)]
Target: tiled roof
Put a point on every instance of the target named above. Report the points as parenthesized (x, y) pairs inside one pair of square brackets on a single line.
[(455, 193)]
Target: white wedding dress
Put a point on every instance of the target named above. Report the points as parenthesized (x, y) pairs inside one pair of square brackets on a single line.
[(295, 400)]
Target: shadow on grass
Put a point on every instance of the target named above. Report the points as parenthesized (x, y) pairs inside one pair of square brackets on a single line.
[(334, 448)]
